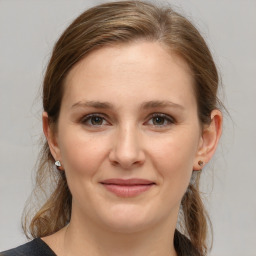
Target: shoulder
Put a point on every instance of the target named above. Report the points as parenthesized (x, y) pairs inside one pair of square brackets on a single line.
[(36, 247)]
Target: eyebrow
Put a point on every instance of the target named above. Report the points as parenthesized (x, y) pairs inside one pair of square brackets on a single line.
[(144, 105), (93, 104), (162, 104)]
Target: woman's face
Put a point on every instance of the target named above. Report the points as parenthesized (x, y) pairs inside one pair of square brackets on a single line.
[(128, 136)]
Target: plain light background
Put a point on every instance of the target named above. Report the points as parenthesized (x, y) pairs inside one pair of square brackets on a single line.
[(28, 30)]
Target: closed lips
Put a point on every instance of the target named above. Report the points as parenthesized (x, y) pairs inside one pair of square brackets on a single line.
[(128, 182), (127, 188)]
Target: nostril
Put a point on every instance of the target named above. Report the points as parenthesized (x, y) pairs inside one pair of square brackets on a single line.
[(126, 165), (114, 163)]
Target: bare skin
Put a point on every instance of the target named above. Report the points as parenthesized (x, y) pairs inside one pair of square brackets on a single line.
[(128, 111)]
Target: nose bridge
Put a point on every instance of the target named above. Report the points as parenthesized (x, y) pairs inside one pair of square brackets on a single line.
[(128, 139), (127, 149)]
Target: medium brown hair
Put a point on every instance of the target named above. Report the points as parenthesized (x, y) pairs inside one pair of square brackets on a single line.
[(113, 23)]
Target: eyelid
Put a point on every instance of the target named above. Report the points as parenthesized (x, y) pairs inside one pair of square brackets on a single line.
[(163, 115)]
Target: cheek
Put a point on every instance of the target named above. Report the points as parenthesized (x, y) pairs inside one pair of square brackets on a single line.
[(82, 153), (175, 150), (173, 158)]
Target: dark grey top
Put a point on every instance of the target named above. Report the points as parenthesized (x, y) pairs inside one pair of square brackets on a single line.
[(36, 247)]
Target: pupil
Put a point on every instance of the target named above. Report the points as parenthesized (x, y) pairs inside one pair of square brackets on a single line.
[(96, 120), (158, 120)]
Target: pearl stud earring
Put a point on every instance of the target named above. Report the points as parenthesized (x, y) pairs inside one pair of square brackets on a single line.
[(58, 164)]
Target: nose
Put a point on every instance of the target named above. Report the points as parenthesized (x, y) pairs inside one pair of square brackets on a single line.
[(127, 151)]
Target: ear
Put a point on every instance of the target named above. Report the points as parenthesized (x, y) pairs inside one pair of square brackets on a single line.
[(51, 137), (209, 140)]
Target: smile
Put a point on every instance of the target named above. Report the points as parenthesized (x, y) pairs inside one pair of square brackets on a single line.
[(127, 188)]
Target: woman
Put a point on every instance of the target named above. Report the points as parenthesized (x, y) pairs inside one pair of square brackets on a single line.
[(131, 118)]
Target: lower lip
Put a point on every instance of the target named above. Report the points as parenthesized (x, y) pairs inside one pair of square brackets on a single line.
[(127, 191)]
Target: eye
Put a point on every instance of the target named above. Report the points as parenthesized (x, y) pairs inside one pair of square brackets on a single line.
[(159, 119), (94, 120)]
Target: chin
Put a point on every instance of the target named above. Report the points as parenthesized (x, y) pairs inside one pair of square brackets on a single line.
[(128, 226), (129, 219)]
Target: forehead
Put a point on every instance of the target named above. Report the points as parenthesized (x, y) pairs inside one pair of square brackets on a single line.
[(136, 70)]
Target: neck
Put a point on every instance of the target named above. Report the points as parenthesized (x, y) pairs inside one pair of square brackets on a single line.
[(89, 239)]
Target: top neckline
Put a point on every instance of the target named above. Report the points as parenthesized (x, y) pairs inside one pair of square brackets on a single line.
[(44, 247)]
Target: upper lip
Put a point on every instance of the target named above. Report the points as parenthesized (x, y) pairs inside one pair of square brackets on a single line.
[(126, 182)]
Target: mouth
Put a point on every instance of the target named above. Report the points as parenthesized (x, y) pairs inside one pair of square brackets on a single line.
[(127, 187)]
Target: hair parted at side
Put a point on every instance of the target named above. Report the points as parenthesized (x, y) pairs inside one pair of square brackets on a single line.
[(108, 24)]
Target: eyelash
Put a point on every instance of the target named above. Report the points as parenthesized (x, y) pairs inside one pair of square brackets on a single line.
[(168, 120)]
